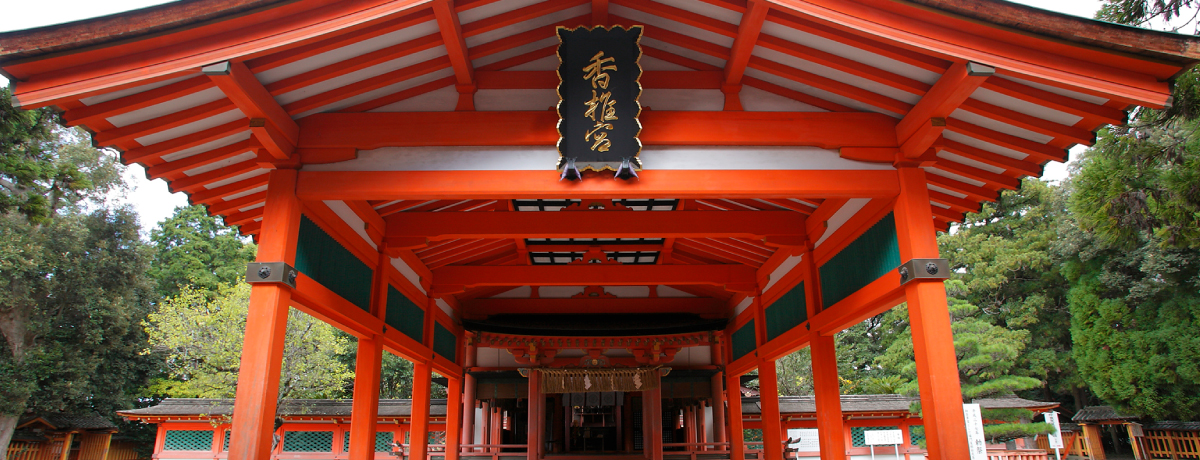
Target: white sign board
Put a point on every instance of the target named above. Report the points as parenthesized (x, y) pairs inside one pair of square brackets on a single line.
[(807, 439), (975, 440), (1055, 438), (884, 437)]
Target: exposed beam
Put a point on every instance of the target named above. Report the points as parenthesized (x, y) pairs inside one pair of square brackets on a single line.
[(743, 46), (699, 305), (429, 185), (548, 79), (456, 278), (271, 125), (915, 133), (127, 135), (456, 49), (595, 224), (87, 115), (374, 130)]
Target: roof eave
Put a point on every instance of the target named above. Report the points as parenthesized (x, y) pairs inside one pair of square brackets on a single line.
[(21, 45), (1147, 43)]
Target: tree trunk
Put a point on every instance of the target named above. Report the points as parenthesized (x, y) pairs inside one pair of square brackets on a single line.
[(8, 424), (1079, 398)]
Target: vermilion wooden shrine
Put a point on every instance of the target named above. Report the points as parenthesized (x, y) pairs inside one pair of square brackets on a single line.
[(400, 154)]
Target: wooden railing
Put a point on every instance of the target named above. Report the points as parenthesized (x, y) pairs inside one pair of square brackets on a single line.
[(696, 450), (1164, 444), (493, 451), (1021, 454), (20, 450)]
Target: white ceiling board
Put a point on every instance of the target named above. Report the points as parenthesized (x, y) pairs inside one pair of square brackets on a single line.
[(849, 52), (193, 127), (167, 108), (346, 52)]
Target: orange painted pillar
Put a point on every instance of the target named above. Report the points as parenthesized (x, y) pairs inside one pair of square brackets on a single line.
[(772, 427), (933, 342), (454, 399), (533, 435), (364, 412), (418, 438), (718, 391), (826, 388), (266, 323), (737, 435), (469, 390), (655, 442)]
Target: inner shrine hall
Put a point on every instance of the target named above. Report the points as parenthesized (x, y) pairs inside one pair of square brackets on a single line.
[(592, 218)]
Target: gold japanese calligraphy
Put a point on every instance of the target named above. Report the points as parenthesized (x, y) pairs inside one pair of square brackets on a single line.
[(601, 108)]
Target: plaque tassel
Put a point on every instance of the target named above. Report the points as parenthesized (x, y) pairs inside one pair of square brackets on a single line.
[(570, 172), (625, 171)]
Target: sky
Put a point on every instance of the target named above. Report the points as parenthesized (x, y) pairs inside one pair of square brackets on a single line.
[(154, 201)]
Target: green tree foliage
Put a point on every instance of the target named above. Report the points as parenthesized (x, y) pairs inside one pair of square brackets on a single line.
[(193, 248), (45, 168), (1140, 180), (1004, 256), (72, 295), (1136, 323), (987, 354), (72, 274), (1141, 12), (202, 341)]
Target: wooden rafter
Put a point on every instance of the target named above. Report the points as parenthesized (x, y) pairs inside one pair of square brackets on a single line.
[(915, 132), (273, 128), (456, 50), (743, 46)]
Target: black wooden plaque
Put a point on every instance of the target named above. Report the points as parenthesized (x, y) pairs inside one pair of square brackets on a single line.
[(599, 71)]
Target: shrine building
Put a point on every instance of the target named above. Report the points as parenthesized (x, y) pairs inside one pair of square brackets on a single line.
[(579, 211)]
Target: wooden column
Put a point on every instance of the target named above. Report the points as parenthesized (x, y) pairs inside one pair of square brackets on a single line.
[(468, 413), (772, 427), (418, 442), (718, 392), (933, 342), (364, 412), (534, 416), (689, 426), (497, 427), (454, 412), (826, 388), (737, 438), (654, 398), (266, 323)]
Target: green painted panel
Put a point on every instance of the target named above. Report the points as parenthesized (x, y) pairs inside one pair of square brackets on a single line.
[(787, 312), (742, 342), (188, 440), (405, 316), (308, 441), (326, 261), (872, 255), (444, 341), (383, 441)]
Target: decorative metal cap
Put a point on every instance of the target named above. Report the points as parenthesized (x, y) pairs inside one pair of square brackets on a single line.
[(924, 269), (271, 272), (569, 171)]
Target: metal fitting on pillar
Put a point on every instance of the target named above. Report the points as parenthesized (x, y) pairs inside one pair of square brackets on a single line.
[(924, 269), (271, 273)]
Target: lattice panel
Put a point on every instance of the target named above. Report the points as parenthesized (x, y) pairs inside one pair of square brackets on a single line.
[(383, 441), (225, 445), (860, 440), (308, 441), (188, 440), (916, 434)]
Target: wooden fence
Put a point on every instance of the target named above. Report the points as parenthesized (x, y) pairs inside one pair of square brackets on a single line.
[(22, 450), (1169, 444)]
